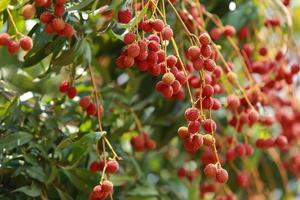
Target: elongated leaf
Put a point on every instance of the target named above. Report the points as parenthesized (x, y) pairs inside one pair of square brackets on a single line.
[(82, 179), (32, 191), (63, 195), (4, 4), (37, 173), (51, 47), (81, 147), (14, 140), (81, 5), (69, 55), (143, 191)]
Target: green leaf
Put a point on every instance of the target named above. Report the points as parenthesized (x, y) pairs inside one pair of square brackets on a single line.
[(53, 174), (4, 4), (115, 35), (143, 191), (87, 54), (242, 15), (37, 173), (52, 47), (63, 195), (115, 4), (69, 55), (81, 5), (33, 191), (14, 140), (82, 179), (81, 147), (120, 180)]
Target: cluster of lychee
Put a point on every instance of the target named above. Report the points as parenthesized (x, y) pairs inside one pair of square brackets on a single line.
[(185, 172), (105, 188), (142, 142), (216, 32), (192, 139), (54, 21), (90, 107), (240, 150), (102, 191), (215, 171), (13, 45), (148, 55), (85, 102), (67, 88), (281, 142), (112, 166)]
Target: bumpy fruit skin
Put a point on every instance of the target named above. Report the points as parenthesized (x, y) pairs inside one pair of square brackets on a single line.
[(72, 92), (215, 33), (133, 50), (13, 47), (46, 17), (26, 43), (208, 90), (68, 31), (194, 126), (150, 144), (242, 179), (60, 2), (4, 39), (112, 166), (281, 141), (49, 29), (124, 16), (233, 102), (204, 39), (129, 38), (191, 114), (209, 125), (210, 170), (193, 52), (100, 110), (58, 24), (107, 187), (167, 33), (206, 51), (263, 51), (94, 166), (40, 2), (98, 193), (168, 78), (229, 31), (181, 172), (85, 102), (91, 109), (240, 150), (209, 65), (183, 132), (48, 4), (59, 10), (138, 143), (64, 86), (158, 25), (28, 11), (221, 175)]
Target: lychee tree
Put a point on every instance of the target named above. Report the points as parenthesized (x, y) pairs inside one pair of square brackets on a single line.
[(149, 99)]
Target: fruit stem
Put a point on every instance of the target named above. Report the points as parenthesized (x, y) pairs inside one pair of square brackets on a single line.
[(12, 21), (104, 139), (276, 158), (219, 24)]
